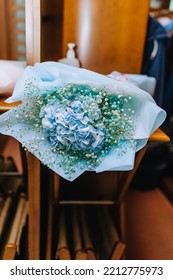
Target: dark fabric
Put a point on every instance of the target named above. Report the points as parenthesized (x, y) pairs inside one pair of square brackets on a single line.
[(156, 67), (169, 79)]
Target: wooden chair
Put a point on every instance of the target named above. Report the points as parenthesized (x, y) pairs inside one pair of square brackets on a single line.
[(85, 23), (109, 36)]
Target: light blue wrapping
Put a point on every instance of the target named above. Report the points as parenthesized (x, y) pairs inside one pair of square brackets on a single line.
[(52, 75)]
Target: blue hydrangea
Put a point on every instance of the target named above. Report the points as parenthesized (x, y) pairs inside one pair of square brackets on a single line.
[(81, 123), (70, 128)]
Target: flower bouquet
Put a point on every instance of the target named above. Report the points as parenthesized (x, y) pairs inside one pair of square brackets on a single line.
[(75, 120)]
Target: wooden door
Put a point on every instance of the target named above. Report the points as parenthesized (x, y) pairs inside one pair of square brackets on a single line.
[(109, 35)]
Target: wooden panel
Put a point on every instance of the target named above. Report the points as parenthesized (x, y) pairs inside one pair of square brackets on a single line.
[(15, 22), (34, 207), (33, 31), (128, 176), (51, 29), (33, 34), (9, 147), (3, 31), (109, 35), (12, 33)]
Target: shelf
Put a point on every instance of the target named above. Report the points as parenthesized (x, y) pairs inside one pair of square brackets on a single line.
[(85, 202), (7, 106), (159, 136)]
